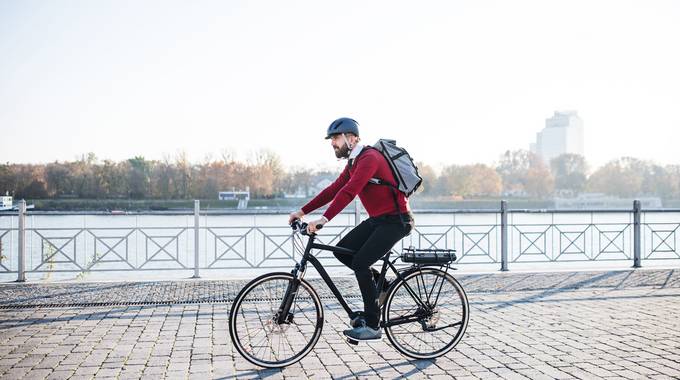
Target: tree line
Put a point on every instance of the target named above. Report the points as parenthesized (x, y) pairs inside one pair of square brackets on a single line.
[(516, 173), (523, 173)]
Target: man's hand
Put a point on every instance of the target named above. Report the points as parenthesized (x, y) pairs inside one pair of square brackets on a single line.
[(311, 227), (295, 215)]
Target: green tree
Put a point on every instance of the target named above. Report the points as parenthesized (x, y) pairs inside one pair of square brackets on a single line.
[(138, 177), (59, 179), (657, 180), (115, 178), (671, 190), (570, 172), (86, 183), (6, 180), (163, 180), (35, 190)]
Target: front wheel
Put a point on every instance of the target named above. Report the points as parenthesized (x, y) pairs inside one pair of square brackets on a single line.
[(263, 337), (426, 313)]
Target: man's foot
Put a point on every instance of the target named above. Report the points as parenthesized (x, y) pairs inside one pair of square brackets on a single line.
[(363, 332)]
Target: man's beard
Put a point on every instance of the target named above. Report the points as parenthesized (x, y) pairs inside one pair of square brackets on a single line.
[(342, 152)]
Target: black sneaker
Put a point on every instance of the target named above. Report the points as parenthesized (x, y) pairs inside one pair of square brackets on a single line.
[(363, 332)]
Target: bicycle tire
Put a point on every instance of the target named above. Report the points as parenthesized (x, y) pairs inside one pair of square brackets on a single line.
[(461, 306), (267, 325)]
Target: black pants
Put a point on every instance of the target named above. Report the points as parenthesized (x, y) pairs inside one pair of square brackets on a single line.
[(371, 240)]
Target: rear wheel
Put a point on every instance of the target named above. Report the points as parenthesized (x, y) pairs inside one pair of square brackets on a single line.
[(426, 314), (254, 323)]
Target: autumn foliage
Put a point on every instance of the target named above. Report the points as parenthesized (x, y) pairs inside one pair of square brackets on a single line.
[(516, 173)]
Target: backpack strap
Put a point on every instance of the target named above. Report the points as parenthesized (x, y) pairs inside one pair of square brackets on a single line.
[(393, 189), (351, 162), (379, 181)]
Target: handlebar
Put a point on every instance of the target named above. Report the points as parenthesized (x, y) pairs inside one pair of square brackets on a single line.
[(298, 225)]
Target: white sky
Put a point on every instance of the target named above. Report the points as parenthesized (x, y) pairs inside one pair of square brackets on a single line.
[(453, 82)]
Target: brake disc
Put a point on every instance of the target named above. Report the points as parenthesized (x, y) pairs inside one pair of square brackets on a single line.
[(272, 326)]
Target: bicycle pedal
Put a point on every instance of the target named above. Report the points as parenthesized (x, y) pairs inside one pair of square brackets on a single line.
[(352, 341)]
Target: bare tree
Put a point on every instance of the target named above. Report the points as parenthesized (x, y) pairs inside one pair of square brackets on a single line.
[(524, 172), (429, 185), (470, 180)]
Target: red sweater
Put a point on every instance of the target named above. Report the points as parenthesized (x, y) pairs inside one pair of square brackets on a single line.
[(377, 199)]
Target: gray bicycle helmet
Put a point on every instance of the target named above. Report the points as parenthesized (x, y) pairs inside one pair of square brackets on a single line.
[(343, 125)]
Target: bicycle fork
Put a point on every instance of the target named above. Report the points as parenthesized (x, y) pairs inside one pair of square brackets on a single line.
[(283, 314)]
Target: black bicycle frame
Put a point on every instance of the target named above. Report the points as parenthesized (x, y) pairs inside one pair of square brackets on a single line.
[(308, 257)]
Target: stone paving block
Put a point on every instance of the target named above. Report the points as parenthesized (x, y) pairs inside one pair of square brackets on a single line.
[(673, 372), (661, 377), (60, 375), (156, 372), (9, 362), (337, 370), (158, 361), (507, 373), (108, 372), (136, 361), (176, 375), (86, 371), (34, 374), (16, 373), (312, 363)]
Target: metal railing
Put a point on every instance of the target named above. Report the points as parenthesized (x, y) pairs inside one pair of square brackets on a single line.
[(498, 238)]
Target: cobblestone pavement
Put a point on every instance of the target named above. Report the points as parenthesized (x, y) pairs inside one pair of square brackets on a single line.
[(587, 325)]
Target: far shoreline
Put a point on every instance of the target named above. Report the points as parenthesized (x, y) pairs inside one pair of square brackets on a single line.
[(276, 205)]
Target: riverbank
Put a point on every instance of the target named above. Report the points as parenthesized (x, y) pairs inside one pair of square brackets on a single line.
[(136, 205)]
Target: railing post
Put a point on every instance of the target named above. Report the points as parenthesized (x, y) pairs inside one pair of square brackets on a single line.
[(22, 242), (637, 242), (504, 236), (357, 212), (197, 219)]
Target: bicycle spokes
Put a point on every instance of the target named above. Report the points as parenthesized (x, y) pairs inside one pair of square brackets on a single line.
[(263, 333), (433, 324)]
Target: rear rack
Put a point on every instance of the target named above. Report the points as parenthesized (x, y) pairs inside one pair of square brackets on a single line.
[(428, 256)]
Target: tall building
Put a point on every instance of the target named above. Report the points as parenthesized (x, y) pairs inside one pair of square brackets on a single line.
[(563, 133)]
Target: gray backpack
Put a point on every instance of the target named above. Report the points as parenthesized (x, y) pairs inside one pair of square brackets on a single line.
[(404, 170)]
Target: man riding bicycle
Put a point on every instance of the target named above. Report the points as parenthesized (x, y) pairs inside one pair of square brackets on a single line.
[(389, 219)]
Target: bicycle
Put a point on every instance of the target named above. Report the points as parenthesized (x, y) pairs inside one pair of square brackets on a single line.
[(277, 318)]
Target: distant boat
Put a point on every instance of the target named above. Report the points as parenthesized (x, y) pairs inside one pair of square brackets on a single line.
[(15, 207), (118, 212), (6, 204)]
